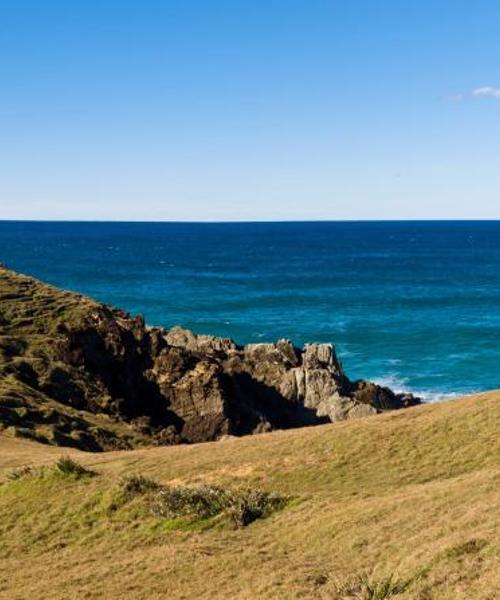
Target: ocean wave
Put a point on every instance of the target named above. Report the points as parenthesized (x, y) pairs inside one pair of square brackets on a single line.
[(399, 385), (431, 397)]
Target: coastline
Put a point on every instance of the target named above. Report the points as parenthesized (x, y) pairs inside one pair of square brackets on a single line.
[(63, 351)]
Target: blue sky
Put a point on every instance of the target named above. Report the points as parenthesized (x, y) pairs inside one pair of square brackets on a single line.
[(249, 110)]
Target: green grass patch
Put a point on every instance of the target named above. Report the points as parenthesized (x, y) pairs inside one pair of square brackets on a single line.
[(134, 485), (67, 467)]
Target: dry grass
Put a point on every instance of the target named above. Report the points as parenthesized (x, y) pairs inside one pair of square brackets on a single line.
[(404, 505)]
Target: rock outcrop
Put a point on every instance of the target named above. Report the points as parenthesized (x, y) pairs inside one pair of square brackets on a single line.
[(76, 372)]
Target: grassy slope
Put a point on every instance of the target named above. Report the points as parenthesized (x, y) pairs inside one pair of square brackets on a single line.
[(30, 315), (417, 491)]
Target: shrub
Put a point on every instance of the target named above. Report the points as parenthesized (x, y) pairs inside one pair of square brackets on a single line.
[(248, 506), (206, 501), (202, 501), (68, 467)]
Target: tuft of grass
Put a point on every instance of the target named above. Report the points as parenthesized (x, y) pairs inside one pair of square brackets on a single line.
[(67, 467), (21, 473), (473, 546), (137, 485), (206, 501), (368, 587), (64, 466)]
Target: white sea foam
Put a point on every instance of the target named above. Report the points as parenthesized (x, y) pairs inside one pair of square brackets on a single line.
[(399, 385), (433, 396), (394, 382)]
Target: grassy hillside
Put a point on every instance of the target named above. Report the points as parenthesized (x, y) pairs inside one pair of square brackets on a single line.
[(403, 505), (42, 395)]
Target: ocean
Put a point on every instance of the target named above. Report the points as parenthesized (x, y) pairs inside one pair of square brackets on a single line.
[(413, 305)]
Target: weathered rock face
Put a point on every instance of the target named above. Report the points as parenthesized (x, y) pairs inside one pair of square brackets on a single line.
[(67, 357), (270, 386)]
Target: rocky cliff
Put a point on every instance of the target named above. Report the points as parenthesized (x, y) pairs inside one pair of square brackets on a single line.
[(76, 372)]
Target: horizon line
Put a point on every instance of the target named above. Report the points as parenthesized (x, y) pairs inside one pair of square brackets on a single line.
[(253, 221)]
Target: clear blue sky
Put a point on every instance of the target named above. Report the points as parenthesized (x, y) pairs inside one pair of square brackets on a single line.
[(249, 110)]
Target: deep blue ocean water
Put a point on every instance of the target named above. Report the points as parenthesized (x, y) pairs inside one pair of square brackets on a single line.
[(412, 304)]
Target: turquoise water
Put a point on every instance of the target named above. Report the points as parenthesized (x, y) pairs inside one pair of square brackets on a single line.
[(414, 305)]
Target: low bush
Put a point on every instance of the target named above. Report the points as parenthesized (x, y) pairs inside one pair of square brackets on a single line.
[(206, 501), (247, 506), (201, 501)]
